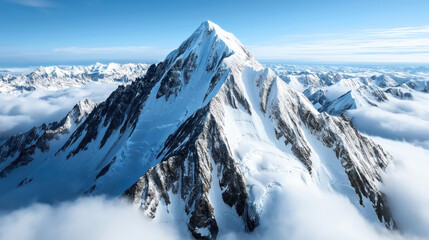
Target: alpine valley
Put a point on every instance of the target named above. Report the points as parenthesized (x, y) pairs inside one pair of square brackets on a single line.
[(207, 137)]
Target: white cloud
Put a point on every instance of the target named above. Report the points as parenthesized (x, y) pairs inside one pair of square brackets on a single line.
[(402, 45), (396, 119), (19, 113), (35, 3), (16, 71), (303, 212), (406, 186), (70, 55), (84, 219), (114, 52)]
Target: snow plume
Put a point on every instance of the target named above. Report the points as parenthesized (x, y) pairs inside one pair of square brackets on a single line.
[(19, 113), (85, 219)]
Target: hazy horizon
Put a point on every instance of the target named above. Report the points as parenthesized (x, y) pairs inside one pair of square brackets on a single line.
[(47, 32)]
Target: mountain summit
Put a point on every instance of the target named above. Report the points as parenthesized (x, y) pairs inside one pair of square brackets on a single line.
[(205, 138)]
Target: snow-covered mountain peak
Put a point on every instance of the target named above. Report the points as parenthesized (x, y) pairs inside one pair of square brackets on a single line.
[(81, 110), (210, 27), (212, 44)]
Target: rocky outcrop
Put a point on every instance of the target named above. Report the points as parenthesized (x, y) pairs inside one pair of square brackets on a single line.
[(400, 93)]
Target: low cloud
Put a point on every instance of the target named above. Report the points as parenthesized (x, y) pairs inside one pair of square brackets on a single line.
[(396, 119), (16, 70), (405, 184), (298, 211), (85, 219), (19, 113), (303, 212)]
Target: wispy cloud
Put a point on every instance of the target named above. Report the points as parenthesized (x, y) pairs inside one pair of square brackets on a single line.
[(69, 55), (113, 51), (374, 45), (35, 3)]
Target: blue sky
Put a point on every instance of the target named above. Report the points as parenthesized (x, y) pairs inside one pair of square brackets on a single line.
[(44, 32)]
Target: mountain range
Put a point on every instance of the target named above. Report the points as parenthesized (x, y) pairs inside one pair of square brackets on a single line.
[(59, 77), (202, 138)]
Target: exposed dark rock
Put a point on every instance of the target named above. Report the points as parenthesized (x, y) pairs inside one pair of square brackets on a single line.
[(399, 93), (25, 181), (105, 169), (171, 82)]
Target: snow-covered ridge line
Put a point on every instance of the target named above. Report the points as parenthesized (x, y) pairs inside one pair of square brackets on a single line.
[(60, 77), (302, 76)]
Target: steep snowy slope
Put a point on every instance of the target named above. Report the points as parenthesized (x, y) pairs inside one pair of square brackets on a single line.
[(205, 138), (55, 77)]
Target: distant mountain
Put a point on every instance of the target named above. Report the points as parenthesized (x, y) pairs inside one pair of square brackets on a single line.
[(302, 77), (203, 139), (353, 88), (55, 77)]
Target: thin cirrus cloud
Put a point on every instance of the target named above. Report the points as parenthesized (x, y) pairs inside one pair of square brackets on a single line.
[(114, 52), (397, 45), (35, 3), (79, 55)]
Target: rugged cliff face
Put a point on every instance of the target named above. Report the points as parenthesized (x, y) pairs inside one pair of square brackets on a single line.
[(205, 137)]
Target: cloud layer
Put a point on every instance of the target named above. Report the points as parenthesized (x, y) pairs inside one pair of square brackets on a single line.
[(396, 119), (296, 212), (20, 113), (406, 187), (85, 219)]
